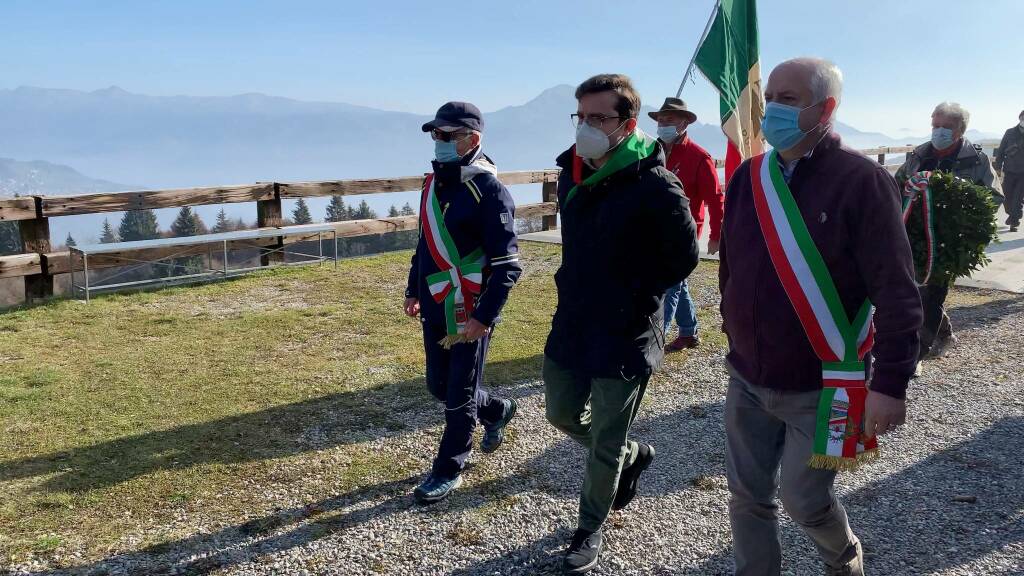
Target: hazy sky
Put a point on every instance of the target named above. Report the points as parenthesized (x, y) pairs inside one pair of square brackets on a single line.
[(900, 57)]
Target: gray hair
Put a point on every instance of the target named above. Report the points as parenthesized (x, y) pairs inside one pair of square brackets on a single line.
[(826, 78), (953, 111)]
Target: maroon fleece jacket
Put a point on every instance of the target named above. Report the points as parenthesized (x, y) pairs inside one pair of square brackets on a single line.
[(852, 208)]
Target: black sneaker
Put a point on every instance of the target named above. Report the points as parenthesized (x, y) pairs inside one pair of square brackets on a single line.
[(629, 478), (583, 553), (494, 434)]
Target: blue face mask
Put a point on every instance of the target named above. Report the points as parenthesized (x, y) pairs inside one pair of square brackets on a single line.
[(446, 151), (668, 133), (781, 125), (942, 138)]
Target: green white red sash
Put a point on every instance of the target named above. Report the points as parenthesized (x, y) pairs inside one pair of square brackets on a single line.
[(839, 441), (458, 280), (916, 191)]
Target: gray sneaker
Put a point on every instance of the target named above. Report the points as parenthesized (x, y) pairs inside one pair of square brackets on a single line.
[(854, 567), (494, 434)]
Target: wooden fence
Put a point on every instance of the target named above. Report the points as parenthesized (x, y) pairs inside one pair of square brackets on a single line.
[(39, 264)]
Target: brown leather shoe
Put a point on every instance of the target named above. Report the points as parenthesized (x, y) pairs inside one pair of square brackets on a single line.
[(682, 343)]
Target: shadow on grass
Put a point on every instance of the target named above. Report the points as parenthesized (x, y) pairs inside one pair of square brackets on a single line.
[(338, 419), (557, 471)]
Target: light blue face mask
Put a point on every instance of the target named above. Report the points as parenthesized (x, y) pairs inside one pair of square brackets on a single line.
[(942, 138), (668, 133), (446, 151), (781, 125)]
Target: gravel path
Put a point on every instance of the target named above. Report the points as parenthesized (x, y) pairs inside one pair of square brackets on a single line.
[(518, 506)]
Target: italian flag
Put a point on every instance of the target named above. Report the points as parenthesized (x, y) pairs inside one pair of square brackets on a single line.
[(728, 58)]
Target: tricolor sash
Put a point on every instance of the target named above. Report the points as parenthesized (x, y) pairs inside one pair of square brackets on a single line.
[(839, 441), (458, 280), (916, 191)]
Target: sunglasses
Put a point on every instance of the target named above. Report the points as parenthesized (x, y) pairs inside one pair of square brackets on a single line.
[(441, 135)]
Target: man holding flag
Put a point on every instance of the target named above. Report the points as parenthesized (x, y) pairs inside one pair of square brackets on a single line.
[(821, 311)]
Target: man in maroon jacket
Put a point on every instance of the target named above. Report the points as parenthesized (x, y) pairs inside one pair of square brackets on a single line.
[(850, 207), (696, 170)]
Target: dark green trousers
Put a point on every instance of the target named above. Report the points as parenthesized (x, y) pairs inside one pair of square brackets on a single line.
[(596, 413)]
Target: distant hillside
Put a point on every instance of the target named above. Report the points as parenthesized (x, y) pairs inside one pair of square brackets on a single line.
[(184, 141), (40, 177), (193, 141)]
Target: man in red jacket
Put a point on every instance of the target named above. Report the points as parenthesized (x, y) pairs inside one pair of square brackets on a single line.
[(696, 170)]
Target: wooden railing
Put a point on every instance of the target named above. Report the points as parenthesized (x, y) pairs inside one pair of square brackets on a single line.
[(39, 264)]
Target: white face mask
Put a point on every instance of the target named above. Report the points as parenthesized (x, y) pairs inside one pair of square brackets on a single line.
[(592, 142)]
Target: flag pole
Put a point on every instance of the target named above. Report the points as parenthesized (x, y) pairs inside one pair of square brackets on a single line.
[(707, 28)]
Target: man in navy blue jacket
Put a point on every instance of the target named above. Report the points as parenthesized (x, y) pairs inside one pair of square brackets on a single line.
[(466, 262)]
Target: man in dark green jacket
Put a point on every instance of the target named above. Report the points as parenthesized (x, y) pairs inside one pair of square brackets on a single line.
[(627, 236)]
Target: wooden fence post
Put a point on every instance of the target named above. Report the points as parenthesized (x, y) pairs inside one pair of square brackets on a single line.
[(35, 237), (549, 193), (269, 214)]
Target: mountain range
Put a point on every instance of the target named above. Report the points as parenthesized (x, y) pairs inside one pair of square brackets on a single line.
[(183, 141)]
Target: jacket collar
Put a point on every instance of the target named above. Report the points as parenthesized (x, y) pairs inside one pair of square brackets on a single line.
[(470, 165), (967, 150), (565, 160)]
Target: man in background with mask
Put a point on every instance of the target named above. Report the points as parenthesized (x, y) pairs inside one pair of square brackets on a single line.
[(465, 264), (1010, 168), (799, 330), (950, 152), (696, 171), (627, 236)]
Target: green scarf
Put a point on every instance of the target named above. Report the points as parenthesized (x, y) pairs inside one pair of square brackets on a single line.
[(635, 148)]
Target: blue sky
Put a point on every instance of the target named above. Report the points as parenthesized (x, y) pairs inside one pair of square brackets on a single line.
[(900, 57)]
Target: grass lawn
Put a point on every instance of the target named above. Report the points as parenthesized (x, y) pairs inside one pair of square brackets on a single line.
[(146, 418), (143, 418)]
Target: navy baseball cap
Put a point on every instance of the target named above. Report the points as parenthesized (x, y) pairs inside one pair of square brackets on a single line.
[(455, 115)]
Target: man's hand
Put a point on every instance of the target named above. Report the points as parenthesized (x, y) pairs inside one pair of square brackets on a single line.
[(882, 414), (474, 330), (412, 307), (712, 247)]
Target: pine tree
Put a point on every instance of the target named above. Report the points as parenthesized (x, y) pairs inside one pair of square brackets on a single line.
[(301, 213), (336, 210), (69, 242), (10, 238), (240, 225), (107, 236), (392, 211), (407, 210), (223, 224), (187, 223), (364, 212), (138, 225)]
